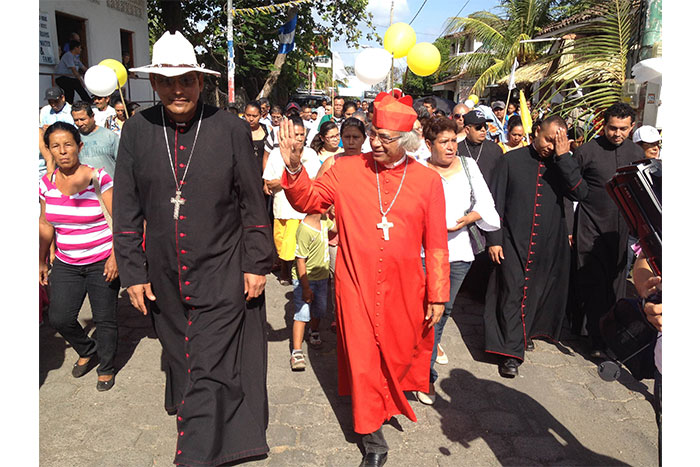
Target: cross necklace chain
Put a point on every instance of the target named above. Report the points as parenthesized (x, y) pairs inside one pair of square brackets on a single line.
[(385, 225), (178, 200), (481, 146)]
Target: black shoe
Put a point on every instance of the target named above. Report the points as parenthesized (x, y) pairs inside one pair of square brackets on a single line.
[(508, 368), (81, 370), (373, 459), (530, 346), (105, 385)]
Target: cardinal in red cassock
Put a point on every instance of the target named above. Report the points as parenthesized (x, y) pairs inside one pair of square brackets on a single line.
[(388, 206)]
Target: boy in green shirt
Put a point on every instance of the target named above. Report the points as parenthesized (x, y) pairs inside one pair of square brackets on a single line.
[(310, 279)]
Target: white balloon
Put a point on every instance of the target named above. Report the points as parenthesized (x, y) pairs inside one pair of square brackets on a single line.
[(101, 80), (372, 65)]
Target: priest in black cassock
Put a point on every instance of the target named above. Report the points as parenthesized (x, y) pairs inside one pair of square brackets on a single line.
[(188, 170), (527, 291), (600, 232)]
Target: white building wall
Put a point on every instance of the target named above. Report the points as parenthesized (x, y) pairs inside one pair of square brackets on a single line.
[(103, 20)]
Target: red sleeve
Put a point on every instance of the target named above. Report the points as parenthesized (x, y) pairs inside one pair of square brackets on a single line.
[(437, 262), (310, 196)]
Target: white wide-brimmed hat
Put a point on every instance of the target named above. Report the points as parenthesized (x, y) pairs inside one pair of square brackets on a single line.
[(173, 55)]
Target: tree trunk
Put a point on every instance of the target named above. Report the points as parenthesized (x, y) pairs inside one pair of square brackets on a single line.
[(272, 77)]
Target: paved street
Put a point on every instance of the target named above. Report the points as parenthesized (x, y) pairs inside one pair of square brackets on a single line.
[(557, 412)]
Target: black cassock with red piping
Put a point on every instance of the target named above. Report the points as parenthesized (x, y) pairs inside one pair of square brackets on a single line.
[(527, 292), (214, 344)]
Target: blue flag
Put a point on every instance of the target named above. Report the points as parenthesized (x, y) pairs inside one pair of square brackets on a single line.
[(287, 36)]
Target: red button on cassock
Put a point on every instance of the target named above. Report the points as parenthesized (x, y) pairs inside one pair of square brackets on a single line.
[(179, 452), (182, 147), (182, 166), (184, 268), (182, 217), (187, 298), (183, 251), (179, 418), (187, 339), (182, 235), (187, 282)]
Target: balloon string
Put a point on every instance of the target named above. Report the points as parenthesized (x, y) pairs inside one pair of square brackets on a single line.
[(126, 111)]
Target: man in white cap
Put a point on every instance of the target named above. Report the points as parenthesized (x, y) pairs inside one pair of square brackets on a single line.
[(648, 138), (188, 170)]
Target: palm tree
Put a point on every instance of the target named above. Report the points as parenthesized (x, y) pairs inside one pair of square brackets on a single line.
[(501, 38), (596, 59)]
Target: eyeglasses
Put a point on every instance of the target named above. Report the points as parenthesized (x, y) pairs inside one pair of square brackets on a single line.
[(383, 138), (333, 137), (479, 127), (458, 116), (184, 80)]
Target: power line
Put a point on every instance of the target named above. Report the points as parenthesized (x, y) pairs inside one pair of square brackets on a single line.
[(463, 6), (419, 9)]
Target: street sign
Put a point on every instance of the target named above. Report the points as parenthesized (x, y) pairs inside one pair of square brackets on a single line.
[(322, 61)]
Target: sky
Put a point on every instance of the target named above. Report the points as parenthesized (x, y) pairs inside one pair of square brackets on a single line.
[(428, 25)]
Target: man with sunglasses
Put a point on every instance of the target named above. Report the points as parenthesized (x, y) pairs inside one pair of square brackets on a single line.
[(487, 154), (188, 170), (458, 113), (388, 207)]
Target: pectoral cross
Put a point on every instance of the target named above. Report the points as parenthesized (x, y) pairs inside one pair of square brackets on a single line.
[(177, 202), (385, 226)]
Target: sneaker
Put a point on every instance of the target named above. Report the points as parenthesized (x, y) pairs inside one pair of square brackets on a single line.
[(297, 361), (315, 339), (441, 359)]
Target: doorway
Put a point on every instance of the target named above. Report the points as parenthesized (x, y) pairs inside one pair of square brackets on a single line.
[(126, 39), (66, 25)]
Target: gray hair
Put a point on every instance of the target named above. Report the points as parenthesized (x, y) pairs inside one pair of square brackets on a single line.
[(361, 116), (409, 140)]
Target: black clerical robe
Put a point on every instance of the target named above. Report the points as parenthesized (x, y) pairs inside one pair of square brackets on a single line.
[(600, 232), (527, 292), (214, 344)]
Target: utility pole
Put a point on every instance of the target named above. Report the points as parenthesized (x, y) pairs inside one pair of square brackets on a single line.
[(231, 63), (651, 32), (390, 78)]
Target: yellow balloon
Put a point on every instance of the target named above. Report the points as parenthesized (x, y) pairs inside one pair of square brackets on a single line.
[(399, 39), (118, 69), (474, 98), (424, 59)]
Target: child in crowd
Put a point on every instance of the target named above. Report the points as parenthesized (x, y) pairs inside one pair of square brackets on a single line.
[(310, 274)]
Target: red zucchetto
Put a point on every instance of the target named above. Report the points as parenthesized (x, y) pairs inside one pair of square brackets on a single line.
[(393, 114)]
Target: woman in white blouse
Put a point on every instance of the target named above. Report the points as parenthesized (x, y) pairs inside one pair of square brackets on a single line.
[(467, 201)]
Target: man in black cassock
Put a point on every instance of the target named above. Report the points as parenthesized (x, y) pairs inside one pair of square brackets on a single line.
[(487, 154), (600, 231), (527, 290), (188, 170)]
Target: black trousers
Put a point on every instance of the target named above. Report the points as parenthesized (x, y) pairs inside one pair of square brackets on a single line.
[(68, 286), (375, 442), (70, 86)]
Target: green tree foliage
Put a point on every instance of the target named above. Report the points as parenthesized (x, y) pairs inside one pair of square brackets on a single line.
[(255, 39), (597, 60), (419, 86), (502, 34)]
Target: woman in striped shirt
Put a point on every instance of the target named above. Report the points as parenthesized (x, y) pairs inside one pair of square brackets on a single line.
[(84, 262)]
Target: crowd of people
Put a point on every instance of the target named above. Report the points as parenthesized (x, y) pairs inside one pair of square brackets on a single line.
[(375, 213)]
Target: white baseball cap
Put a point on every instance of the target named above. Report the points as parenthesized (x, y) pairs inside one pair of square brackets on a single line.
[(646, 134)]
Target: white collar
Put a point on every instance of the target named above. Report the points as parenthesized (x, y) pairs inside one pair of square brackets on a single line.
[(395, 164)]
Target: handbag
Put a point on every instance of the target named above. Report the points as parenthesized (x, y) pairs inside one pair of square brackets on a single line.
[(98, 192), (476, 238)]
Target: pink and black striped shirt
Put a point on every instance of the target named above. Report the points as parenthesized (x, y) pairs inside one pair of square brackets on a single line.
[(82, 233)]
